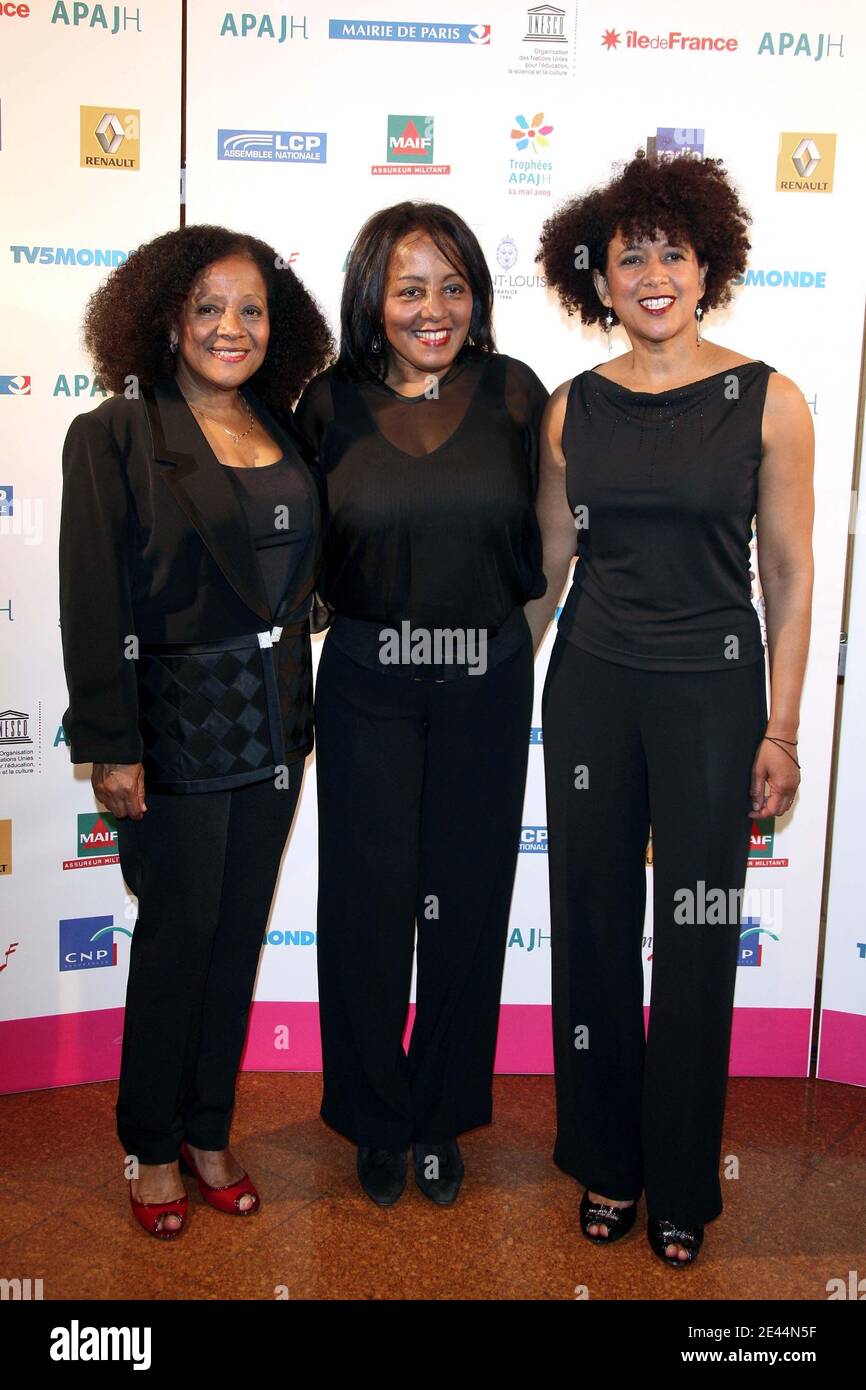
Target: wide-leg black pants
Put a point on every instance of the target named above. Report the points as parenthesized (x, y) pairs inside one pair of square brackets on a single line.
[(675, 749), (420, 788), (204, 867)]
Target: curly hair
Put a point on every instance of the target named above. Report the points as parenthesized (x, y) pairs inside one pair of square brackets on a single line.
[(688, 199), (367, 273), (129, 317)]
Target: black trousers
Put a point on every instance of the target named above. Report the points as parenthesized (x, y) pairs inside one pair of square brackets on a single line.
[(420, 791), (203, 867), (675, 750)]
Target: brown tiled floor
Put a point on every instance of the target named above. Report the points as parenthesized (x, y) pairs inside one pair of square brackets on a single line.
[(794, 1218)]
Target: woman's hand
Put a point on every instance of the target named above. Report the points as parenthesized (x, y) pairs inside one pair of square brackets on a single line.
[(120, 788), (775, 779)]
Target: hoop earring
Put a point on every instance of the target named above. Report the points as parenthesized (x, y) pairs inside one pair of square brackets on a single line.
[(376, 345), (608, 326), (699, 313)]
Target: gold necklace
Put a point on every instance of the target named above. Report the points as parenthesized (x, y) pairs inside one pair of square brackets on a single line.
[(235, 437)]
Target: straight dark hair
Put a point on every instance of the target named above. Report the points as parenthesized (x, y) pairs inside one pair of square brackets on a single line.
[(366, 274)]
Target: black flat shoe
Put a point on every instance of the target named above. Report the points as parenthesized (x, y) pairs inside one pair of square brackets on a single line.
[(382, 1174), (661, 1234), (618, 1220), (439, 1180)]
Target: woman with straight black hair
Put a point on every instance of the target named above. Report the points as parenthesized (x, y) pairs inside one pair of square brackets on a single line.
[(427, 440)]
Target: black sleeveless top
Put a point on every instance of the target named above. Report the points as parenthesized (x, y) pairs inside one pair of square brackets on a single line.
[(431, 500), (664, 488)]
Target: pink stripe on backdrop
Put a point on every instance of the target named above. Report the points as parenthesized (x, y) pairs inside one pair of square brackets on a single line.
[(72, 1049), (842, 1054), (60, 1050)]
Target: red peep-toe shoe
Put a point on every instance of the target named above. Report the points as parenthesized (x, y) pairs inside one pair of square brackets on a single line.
[(151, 1215), (226, 1198)]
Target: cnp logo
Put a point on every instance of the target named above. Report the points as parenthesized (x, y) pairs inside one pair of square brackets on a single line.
[(87, 943), (750, 946)]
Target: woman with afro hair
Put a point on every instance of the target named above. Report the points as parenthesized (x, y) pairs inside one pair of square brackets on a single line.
[(190, 539), (655, 708)]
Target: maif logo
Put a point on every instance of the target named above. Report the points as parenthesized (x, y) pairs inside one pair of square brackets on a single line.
[(410, 147), (410, 139), (87, 943), (97, 841), (761, 842)]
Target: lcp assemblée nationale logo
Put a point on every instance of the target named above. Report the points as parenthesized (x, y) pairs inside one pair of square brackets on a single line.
[(273, 146), (110, 138)]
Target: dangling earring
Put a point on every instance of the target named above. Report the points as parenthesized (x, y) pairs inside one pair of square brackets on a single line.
[(376, 345), (608, 325), (172, 342), (699, 313)]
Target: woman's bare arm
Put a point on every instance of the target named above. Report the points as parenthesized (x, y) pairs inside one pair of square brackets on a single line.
[(554, 516)]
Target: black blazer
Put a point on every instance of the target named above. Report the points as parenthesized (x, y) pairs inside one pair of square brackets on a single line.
[(154, 545)]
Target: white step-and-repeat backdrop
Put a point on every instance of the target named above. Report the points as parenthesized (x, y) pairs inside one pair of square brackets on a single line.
[(510, 110)]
